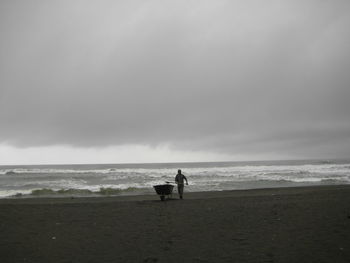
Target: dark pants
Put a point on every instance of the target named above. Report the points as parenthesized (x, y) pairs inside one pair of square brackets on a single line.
[(180, 189)]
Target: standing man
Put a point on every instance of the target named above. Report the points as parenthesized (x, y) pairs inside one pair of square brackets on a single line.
[(179, 180)]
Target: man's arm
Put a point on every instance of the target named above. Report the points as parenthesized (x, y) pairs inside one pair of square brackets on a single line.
[(186, 180)]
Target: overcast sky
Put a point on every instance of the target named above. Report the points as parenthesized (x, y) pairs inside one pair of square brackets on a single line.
[(162, 81)]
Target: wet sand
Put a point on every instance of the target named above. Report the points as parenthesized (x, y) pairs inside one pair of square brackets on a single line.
[(308, 224)]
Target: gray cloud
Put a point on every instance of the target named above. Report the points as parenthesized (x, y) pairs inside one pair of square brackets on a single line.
[(222, 76)]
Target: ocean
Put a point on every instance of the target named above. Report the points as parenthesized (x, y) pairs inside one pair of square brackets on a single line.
[(137, 179)]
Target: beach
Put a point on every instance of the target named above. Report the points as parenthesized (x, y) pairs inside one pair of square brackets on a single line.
[(297, 224)]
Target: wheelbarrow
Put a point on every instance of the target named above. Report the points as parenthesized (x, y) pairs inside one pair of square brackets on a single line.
[(164, 190)]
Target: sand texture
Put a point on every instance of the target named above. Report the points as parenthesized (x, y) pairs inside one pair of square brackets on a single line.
[(309, 224)]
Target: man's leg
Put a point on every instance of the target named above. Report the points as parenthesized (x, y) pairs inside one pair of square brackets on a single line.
[(180, 189)]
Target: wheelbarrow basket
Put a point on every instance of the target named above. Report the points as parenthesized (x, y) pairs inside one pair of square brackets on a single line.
[(164, 189)]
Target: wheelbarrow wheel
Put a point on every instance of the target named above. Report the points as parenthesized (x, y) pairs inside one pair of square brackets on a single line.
[(162, 197)]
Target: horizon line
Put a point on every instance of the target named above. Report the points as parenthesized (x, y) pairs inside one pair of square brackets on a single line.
[(150, 163)]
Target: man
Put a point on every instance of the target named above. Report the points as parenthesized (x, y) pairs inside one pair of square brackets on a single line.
[(179, 180)]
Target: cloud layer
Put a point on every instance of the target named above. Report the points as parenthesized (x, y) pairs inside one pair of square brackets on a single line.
[(217, 76)]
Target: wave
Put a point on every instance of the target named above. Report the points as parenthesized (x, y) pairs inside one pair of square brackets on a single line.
[(159, 172), (102, 181), (78, 192)]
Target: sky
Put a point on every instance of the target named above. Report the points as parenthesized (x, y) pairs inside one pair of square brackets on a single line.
[(105, 81)]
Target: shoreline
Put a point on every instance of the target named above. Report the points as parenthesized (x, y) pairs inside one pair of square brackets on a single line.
[(154, 196), (297, 224)]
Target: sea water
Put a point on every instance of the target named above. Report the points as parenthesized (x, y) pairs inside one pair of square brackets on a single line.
[(136, 179)]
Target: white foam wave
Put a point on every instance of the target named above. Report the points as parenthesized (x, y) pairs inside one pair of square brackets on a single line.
[(201, 178), (159, 172)]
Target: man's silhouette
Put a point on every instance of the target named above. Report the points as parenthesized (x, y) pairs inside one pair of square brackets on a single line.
[(179, 180)]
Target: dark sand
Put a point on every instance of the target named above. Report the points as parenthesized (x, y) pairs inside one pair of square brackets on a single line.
[(310, 224)]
